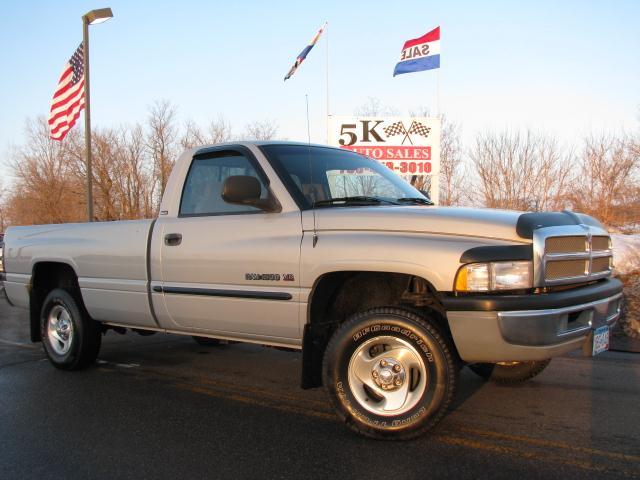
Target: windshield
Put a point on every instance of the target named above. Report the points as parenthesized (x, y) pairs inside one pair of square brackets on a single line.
[(322, 176)]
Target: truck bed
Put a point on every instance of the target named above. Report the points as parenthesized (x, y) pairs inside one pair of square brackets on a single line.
[(109, 258)]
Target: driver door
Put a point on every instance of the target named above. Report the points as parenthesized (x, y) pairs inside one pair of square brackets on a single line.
[(230, 269)]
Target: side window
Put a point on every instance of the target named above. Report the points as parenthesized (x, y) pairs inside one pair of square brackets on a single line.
[(202, 193)]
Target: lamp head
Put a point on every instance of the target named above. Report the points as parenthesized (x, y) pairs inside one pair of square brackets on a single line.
[(97, 16)]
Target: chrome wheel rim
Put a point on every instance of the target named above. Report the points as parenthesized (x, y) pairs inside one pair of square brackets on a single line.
[(387, 376), (59, 329)]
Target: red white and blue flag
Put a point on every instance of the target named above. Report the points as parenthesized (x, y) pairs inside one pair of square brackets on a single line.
[(304, 53), (419, 54), (68, 98)]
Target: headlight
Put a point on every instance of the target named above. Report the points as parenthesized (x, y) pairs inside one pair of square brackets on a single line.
[(485, 277)]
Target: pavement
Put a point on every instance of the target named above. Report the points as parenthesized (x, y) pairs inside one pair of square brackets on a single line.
[(621, 342), (164, 407)]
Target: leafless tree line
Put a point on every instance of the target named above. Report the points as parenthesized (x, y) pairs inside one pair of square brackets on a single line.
[(531, 171), (522, 170)]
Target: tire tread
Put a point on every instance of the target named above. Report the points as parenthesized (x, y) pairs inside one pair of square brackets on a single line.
[(89, 332), (423, 322)]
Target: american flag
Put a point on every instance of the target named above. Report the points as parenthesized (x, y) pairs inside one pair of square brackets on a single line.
[(69, 97)]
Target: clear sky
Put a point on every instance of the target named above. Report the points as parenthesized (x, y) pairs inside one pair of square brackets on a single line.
[(562, 67)]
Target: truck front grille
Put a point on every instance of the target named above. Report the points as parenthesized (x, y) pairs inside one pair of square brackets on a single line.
[(600, 243), (566, 244), (601, 264), (566, 269), (571, 254)]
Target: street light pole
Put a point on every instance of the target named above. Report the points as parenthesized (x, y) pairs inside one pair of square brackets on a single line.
[(87, 118), (91, 18)]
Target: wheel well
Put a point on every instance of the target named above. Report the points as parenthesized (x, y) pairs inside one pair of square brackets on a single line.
[(338, 295), (45, 277)]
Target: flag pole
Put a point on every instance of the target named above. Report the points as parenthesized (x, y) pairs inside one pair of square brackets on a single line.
[(438, 93), (327, 74), (435, 179), (99, 15)]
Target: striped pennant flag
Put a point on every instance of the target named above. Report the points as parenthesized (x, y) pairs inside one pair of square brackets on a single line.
[(304, 53), (68, 100)]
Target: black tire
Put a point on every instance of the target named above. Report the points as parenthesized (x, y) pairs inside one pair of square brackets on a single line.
[(84, 336), (206, 341), (372, 336), (509, 372)]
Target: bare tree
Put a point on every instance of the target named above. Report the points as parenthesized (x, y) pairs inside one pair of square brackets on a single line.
[(453, 171), (420, 111), (105, 172), (453, 175), (520, 171), (261, 130), (373, 106), (136, 182), (608, 183), (124, 181), (192, 136), (46, 188), (219, 131), (3, 208), (161, 140)]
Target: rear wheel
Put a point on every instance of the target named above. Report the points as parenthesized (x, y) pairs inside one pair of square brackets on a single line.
[(389, 373), (509, 372), (71, 339)]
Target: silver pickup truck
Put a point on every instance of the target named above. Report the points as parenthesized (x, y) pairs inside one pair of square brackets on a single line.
[(326, 251)]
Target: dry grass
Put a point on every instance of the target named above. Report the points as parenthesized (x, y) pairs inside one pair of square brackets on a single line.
[(630, 319)]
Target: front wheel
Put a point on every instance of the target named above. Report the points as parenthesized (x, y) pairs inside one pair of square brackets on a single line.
[(509, 372), (389, 373), (71, 339)]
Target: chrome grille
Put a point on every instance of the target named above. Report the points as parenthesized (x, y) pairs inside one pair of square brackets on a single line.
[(601, 264), (566, 269), (570, 254), (566, 244), (600, 243)]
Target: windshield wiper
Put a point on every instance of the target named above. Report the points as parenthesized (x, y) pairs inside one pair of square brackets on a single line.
[(355, 200), (417, 200)]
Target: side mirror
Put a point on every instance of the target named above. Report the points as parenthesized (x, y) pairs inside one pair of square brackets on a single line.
[(246, 190)]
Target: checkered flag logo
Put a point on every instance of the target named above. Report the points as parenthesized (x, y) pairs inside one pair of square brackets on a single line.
[(395, 129), (419, 129)]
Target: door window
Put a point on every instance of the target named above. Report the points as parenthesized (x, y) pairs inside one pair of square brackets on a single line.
[(202, 194)]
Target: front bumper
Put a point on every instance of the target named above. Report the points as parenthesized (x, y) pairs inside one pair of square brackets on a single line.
[(510, 328)]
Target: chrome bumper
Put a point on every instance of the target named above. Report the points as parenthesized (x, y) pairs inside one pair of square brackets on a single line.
[(548, 327), (519, 335)]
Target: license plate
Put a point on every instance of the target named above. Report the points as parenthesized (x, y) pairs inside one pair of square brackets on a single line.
[(600, 340)]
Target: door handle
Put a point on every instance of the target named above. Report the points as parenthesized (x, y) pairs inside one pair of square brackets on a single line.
[(172, 239)]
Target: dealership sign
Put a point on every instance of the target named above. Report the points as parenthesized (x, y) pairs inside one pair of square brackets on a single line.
[(407, 145)]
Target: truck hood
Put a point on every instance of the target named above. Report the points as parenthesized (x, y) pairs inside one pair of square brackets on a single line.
[(469, 222)]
